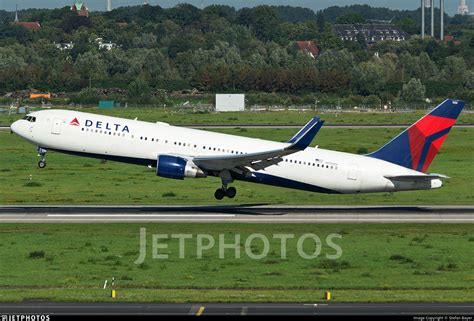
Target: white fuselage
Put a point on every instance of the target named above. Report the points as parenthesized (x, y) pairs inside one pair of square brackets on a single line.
[(139, 142)]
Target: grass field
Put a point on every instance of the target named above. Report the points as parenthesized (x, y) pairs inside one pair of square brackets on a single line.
[(379, 263), (187, 117), (76, 180)]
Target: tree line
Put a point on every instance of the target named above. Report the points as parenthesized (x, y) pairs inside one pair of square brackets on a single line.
[(221, 49)]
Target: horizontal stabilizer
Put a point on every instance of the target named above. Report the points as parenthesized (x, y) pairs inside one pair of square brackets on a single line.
[(414, 178)]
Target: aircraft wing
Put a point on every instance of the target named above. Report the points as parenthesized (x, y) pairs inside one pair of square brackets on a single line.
[(263, 159)]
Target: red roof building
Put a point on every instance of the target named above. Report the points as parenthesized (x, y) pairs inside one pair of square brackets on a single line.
[(449, 38), (309, 47), (33, 25)]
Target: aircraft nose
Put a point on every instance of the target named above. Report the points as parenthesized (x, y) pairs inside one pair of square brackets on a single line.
[(14, 127)]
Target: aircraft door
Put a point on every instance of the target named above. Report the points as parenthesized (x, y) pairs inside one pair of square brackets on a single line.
[(353, 177), (353, 173), (56, 127)]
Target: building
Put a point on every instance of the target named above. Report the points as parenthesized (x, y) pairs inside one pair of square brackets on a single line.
[(64, 46), (80, 9), (372, 33), (308, 47), (105, 45), (32, 25), (463, 9), (450, 38), (230, 102)]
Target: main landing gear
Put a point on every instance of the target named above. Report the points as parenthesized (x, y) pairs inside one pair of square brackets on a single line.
[(230, 192), (221, 192), (42, 154)]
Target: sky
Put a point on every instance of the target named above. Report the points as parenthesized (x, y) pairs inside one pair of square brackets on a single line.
[(9, 5)]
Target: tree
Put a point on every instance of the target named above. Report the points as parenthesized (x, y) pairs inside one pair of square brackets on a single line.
[(368, 78), (138, 90), (184, 14), (263, 19), (72, 21), (145, 40), (320, 21), (328, 39), (90, 66), (350, 18), (413, 91), (454, 69), (339, 60)]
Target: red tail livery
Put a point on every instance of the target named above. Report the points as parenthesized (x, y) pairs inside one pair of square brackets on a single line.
[(416, 147)]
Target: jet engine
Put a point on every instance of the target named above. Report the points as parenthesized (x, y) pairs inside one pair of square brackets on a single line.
[(177, 167)]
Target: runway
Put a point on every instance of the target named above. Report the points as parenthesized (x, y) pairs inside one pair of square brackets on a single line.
[(238, 308), (237, 214)]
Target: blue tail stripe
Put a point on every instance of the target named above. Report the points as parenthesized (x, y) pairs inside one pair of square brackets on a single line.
[(427, 145), (303, 130)]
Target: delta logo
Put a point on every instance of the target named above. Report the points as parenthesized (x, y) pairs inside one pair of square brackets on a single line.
[(107, 126), (74, 122), (101, 125)]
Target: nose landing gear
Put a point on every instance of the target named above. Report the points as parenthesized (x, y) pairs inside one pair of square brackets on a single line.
[(42, 154)]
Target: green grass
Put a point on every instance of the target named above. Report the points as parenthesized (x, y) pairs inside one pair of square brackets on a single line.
[(186, 117), (379, 263), (240, 295), (77, 180)]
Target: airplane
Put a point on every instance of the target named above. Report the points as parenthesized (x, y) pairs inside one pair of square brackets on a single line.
[(178, 152)]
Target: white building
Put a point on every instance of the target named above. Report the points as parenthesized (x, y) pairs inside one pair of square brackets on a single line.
[(64, 46), (230, 102), (463, 9), (105, 45)]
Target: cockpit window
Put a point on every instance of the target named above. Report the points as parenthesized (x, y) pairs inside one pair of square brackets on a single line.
[(31, 119)]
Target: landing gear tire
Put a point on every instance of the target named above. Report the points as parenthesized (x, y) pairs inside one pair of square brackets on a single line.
[(42, 155), (219, 194), (230, 193)]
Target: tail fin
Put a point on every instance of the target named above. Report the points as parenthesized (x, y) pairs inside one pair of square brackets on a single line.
[(416, 147)]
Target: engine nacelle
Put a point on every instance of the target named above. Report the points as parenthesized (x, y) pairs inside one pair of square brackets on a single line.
[(177, 167)]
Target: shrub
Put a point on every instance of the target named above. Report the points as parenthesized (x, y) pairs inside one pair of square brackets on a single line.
[(401, 258), (36, 254), (335, 265), (362, 151), (33, 184), (169, 194)]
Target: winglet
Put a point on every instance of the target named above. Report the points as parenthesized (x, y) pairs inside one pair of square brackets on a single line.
[(303, 138)]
